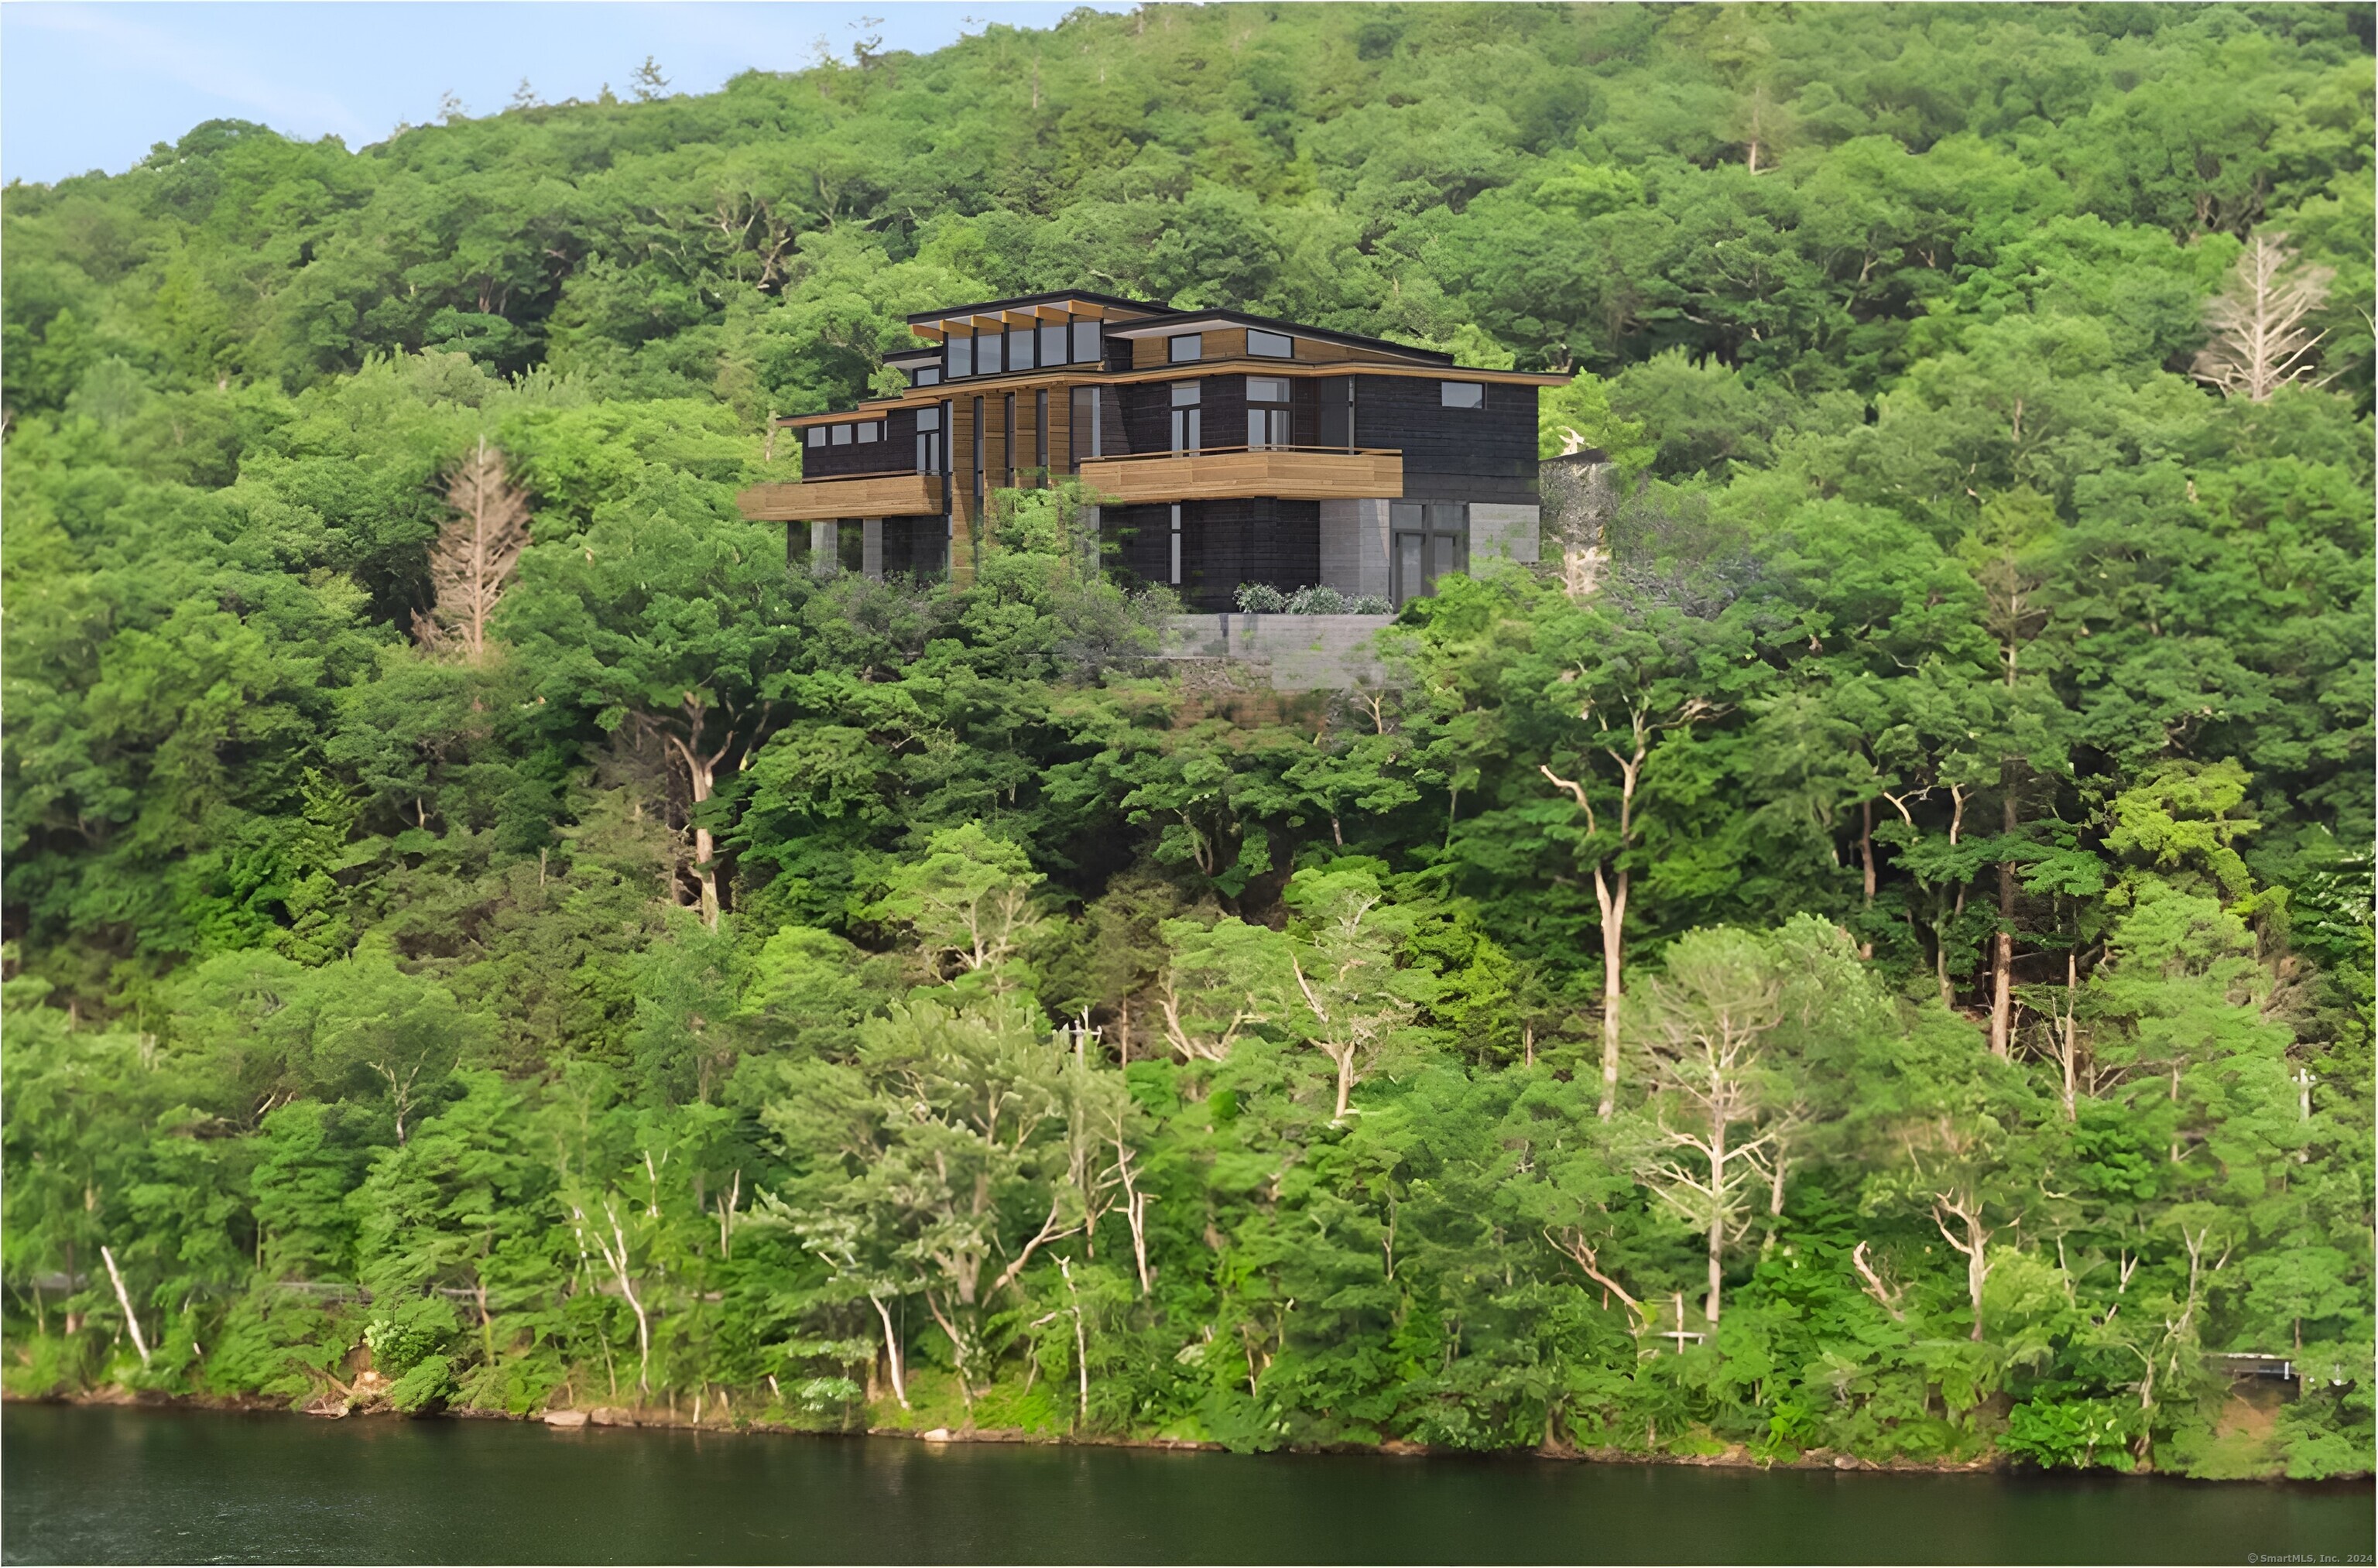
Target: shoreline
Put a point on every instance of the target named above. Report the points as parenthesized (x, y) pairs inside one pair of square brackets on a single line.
[(1735, 1457)]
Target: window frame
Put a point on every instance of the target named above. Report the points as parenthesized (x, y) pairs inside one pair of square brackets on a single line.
[(1196, 342), (1271, 425), (1446, 390), (1188, 417), (1286, 350)]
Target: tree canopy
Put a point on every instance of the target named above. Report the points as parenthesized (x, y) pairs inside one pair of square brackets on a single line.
[(1877, 962)]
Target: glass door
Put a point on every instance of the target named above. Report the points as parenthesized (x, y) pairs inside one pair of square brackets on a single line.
[(1411, 554)]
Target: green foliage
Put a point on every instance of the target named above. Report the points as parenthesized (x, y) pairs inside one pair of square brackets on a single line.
[(849, 1002)]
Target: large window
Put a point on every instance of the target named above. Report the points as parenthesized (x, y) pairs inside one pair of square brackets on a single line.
[(987, 361), (1176, 545), (1052, 343), (1431, 541), (1021, 340), (960, 357), (929, 440), (1088, 349), (1267, 422), (1083, 436), (1187, 348), (1461, 394), (980, 446), (1188, 418), (1270, 345)]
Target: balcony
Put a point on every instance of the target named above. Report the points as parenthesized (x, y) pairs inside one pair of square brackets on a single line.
[(1302, 474), (861, 495)]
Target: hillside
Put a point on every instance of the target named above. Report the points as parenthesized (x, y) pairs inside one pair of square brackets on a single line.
[(1909, 926)]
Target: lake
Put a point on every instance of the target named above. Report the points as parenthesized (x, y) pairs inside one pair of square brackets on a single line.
[(102, 1485)]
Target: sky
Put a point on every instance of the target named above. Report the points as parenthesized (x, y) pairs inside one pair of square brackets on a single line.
[(94, 86)]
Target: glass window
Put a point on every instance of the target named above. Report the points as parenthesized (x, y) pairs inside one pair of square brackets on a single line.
[(817, 435), (1188, 348), (872, 431), (1052, 343), (1432, 540), (1020, 343), (926, 375), (929, 440), (1084, 436), (1176, 543), (1461, 394), (986, 355), (1040, 430), (1086, 347), (961, 356), (841, 435), (1267, 424), (1188, 418), (1270, 345)]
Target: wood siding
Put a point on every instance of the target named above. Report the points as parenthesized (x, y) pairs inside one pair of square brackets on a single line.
[(891, 494), (1306, 475)]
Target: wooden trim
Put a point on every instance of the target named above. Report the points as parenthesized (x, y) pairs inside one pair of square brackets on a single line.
[(871, 494), (1292, 474)]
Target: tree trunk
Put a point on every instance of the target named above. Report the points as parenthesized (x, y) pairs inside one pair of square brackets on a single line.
[(1614, 938), (1345, 1080), (124, 1300), (1717, 1221), (705, 872), (2002, 946), (891, 1352), (1866, 848)]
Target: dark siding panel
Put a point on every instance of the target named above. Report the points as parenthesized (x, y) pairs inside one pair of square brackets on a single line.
[(886, 456), (1304, 413), (1147, 417), (914, 546), (1225, 544), (1141, 540), (1483, 454), (1226, 411)]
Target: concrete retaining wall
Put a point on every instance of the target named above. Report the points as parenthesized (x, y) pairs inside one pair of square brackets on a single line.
[(1299, 653)]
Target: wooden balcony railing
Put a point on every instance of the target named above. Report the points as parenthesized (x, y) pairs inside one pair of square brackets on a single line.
[(1321, 473), (843, 495)]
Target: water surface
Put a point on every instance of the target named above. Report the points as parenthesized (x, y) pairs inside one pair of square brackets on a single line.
[(118, 1486)]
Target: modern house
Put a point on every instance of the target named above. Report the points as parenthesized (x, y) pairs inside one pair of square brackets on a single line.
[(1222, 448)]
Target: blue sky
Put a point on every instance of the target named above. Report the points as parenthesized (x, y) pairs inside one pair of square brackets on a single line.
[(93, 86)]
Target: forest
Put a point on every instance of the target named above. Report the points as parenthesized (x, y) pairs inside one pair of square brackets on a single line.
[(1880, 972)]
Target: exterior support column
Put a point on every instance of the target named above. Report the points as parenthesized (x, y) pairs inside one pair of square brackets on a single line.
[(871, 548), (1355, 548), (825, 551)]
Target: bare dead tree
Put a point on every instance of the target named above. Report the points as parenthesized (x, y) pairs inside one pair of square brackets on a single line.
[(1718, 1128), (2260, 340), (475, 554)]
